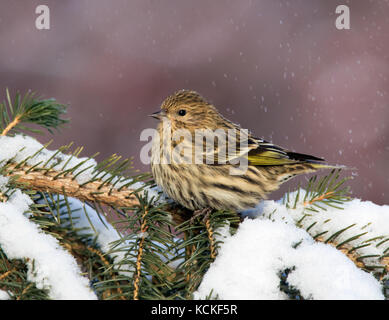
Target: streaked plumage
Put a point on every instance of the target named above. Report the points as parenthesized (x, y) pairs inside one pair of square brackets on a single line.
[(199, 186)]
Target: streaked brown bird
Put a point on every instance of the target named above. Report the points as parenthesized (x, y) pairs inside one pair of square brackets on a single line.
[(203, 185)]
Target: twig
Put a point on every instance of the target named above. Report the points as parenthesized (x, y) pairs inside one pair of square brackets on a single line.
[(107, 264), (41, 180), (211, 239), (143, 230), (11, 125), (53, 181), (6, 274), (24, 291), (319, 198)]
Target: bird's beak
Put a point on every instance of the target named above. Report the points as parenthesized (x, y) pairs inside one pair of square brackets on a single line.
[(158, 115)]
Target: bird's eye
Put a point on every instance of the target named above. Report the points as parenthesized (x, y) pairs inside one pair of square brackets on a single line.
[(182, 112)]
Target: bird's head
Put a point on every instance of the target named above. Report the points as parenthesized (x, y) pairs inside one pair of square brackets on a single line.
[(187, 109)]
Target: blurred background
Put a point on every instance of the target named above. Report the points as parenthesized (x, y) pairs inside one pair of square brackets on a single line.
[(279, 68)]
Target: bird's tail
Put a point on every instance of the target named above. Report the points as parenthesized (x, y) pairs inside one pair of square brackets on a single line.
[(330, 166), (315, 162), (292, 170)]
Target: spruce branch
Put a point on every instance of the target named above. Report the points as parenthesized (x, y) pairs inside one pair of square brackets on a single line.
[(199, 245), (211, 239), (322, 197), (14, 280), (329, 191), (11, 125), (107, 266), (55, 216), (46, 113), (53, 181), (95, 190), (143, 231)]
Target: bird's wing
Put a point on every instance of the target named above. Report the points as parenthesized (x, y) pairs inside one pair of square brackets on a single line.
[(266, 154), (240, 143), (224, 145)]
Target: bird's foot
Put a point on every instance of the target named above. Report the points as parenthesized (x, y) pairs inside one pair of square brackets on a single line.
[(202, 212)]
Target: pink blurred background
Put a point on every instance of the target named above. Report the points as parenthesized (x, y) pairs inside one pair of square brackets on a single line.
[(279, 68)]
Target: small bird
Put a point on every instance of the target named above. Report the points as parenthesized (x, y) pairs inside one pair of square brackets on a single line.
[(203, 186)]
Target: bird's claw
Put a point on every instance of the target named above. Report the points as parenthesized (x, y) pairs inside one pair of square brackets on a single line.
[(202, 212)]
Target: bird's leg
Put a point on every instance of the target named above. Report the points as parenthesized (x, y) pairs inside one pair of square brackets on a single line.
[(202, 212)]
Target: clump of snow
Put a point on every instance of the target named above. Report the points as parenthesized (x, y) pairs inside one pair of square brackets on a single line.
[(322, 272), (370, 219), (3, 183), (49, 265), (249, 264), (4, 295), (363, 218), (222, 232)]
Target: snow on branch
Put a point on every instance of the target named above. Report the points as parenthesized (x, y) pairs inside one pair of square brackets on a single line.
[(93, 225), (53, 171), (360, 229), (49, 265), (250, 263)]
